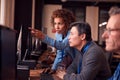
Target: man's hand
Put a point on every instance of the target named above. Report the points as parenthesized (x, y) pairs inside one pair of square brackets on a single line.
[(60, 73)]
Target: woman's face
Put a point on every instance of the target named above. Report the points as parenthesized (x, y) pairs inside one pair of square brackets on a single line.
[(59, 25), (75, 40)]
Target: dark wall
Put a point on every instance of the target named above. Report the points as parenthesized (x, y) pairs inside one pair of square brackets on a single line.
[(23, 17), (38, 18), (38, 13)]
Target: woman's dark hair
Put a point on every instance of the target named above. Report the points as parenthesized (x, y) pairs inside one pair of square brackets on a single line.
[(83, 27)]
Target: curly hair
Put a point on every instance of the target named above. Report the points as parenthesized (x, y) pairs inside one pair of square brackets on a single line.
[(66, 15)]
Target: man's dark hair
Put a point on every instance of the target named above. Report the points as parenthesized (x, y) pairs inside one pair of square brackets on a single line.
[(83, 27)]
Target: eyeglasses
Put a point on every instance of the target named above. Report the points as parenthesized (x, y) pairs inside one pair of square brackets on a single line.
[(110, 30)]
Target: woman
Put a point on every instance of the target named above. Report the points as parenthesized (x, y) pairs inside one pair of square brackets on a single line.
[(61, 20)]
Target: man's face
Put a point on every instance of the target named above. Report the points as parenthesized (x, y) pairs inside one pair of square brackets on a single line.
[(112, 34), (75, 40)]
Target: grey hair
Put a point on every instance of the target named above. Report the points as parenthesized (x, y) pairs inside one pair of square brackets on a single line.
[(114, 10)]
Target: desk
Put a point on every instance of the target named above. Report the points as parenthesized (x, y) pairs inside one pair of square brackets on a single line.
[(47, 57), (35, 75)]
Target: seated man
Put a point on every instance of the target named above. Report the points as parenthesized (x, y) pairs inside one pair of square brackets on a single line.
[(112, 37), (88, 64)]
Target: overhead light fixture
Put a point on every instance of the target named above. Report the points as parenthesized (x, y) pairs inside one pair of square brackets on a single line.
[(63, 0), (102, 24)]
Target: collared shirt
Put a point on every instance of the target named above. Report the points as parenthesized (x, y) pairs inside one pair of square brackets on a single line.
[(60, 44), (84, 49), (116, 75)]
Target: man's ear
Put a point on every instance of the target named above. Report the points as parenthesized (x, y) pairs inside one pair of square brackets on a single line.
[(83, 36)]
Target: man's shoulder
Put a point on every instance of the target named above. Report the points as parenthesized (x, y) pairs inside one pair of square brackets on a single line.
[(96, 47)]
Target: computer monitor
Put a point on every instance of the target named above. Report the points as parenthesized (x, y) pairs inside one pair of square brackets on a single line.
[(8, 65)]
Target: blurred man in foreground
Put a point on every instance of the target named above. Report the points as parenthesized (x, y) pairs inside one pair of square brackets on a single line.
[(112, 37)]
